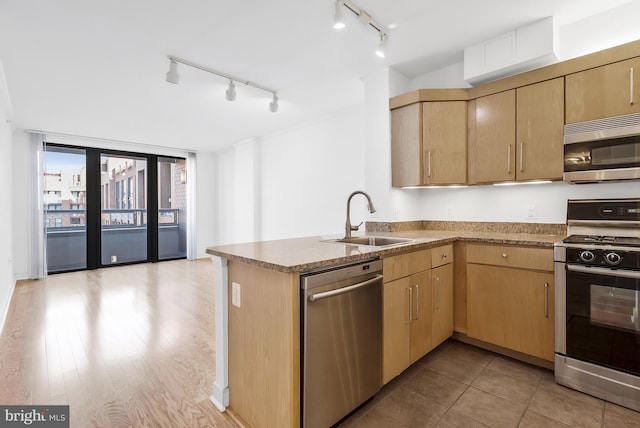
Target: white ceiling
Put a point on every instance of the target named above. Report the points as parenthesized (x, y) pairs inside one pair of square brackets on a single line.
[(97, 68)]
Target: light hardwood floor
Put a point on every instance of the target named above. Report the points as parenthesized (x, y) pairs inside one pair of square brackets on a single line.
[(133, 346), (125, 346)]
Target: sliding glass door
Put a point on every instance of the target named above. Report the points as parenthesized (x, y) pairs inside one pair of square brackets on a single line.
[(123, 212), (172, 208), (64, 187), (105, 208)]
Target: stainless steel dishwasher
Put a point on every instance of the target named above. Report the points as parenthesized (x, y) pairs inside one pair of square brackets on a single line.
[(341, 340)]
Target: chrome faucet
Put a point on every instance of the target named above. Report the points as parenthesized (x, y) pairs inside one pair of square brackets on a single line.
[(348, 226)]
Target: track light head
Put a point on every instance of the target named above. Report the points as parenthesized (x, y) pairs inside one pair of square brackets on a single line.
[(273, 105), (230, 95), (338, 16), (172, 74), (381, 51)]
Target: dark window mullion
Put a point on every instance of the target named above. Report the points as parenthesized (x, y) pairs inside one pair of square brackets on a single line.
[(94, 206), (152, 207)]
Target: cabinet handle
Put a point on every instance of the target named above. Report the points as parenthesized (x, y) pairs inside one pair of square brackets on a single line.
[(444, 255), (429, 163), (505, 255), (521, 157), (509, 159), (631, 86), (546, 300), (410, 305), (417, 302)]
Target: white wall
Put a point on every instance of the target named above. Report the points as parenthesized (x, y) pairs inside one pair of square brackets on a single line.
[(225, 225), (535, 203), (307, 174), (515, 203), (21, 204), (299, 180), (206, 202), (6, 230), (611, 28), (608, 29)]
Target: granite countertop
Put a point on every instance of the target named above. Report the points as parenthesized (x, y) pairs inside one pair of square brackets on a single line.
[(304, 254)]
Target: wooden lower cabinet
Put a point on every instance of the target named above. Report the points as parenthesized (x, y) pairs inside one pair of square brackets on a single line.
[(442, 289), (512, 308), (420, 338), (417, 308), (406, 323), (396, 332)]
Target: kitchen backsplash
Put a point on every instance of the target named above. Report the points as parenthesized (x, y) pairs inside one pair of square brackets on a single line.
[(474, 226)]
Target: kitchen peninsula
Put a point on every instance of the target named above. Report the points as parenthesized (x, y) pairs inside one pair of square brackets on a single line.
[(257, 298)]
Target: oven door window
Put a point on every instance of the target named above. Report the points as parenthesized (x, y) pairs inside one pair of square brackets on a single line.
[(613, 307), (603, 325)]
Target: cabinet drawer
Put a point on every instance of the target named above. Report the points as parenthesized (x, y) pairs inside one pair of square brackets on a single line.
[(511, 256), (405, 264), (441, 255)]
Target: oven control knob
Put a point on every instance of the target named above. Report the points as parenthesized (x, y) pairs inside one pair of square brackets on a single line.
[(613, 258), (587, 256)]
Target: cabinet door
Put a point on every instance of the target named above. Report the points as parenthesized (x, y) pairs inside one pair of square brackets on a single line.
[(512, 308), (610, 90), (442, 283), (420, 341), (395, 327), (495, 134), (540, 113), (445, 142), (406, 146)]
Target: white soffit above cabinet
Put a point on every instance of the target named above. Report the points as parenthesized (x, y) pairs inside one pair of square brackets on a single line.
[(522, 49)]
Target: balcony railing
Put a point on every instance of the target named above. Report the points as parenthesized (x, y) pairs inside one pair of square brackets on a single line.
[(110, 218), (123, 236)]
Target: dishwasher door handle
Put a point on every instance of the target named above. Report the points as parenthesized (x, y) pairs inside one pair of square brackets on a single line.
[(343, 290)]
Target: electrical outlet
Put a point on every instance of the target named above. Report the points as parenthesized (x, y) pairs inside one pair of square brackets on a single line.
[(531, 212), (235, 294)]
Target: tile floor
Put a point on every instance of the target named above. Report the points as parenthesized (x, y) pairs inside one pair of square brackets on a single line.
[(458, 385)]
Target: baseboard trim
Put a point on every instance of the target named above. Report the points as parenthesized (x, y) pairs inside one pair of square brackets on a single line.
[(5, 310), (504, 351)]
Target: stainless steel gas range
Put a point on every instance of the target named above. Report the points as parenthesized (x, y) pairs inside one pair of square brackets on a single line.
[(597, 275)]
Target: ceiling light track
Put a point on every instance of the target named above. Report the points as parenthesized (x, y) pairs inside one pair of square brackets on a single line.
[(230, 94), (364, 17)]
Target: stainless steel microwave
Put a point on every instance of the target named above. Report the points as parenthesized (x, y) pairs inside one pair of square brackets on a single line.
[(602, 150)]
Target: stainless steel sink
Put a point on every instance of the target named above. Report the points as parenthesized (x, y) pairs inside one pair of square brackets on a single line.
[(373, 241)]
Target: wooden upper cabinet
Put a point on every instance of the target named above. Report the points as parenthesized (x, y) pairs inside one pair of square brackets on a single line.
[(495, 134), (429, 143), (518, 134), (609, 90), (444, 125), (406, 146), (539, 128)]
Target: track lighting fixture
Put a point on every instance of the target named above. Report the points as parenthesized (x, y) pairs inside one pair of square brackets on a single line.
[(338, 16), (172, 74), (230, 94), (382, 47), (365, 18), (273, 105)]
